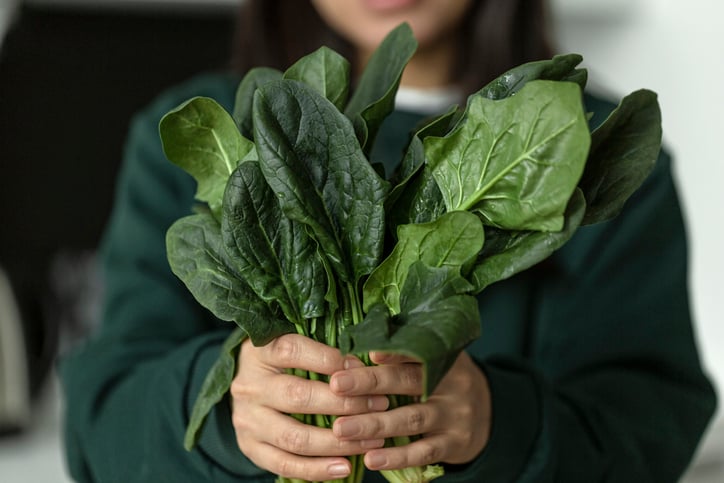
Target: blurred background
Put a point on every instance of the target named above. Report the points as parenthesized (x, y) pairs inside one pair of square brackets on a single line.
[(72, 73)]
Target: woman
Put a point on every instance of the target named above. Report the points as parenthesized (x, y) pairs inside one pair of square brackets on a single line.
[(586, 371)]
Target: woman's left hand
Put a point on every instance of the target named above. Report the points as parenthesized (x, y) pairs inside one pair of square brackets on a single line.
[(454, 421)]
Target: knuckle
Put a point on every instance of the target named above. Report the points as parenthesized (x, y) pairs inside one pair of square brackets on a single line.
[(284, 468), (285, 349), (411, 376), (429, 453), (293, 440), (416, 420), (298, 394)]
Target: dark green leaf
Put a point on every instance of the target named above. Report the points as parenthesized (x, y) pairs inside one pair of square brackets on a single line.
[(374, 98), (452, 240), (559, 68), (414, 157), (624, 150), (419, 202), (436, 322), (215, 386), (202, 138), (325, 71), (508, 252), (310, 157), (197, 256), (242, 113), (515, 161), (273, 253)]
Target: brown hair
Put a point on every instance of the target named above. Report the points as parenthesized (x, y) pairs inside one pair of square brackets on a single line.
[(497, 35)]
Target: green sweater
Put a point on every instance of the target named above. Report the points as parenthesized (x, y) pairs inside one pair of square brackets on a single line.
[(591, 360)]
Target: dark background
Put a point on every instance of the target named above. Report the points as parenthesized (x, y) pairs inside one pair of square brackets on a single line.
[(70, 79)]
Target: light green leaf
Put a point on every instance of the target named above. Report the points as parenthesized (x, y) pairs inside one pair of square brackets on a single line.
[(509, 252), (453, 240), (325, 71), (202, 138), (515, 161)]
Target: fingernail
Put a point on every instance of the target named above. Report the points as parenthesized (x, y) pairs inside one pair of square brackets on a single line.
[(352, 363), (372, 443), (338, 469), (378, 403), (343, 382), (345, 429), (375, 461)]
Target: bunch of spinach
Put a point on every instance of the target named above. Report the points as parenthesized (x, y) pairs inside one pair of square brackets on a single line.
[(297, 218)]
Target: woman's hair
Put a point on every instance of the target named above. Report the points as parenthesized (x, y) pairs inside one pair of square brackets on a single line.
[(496, 35)]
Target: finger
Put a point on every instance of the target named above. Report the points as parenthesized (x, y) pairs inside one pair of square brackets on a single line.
[(403, 379), (288, 465), (293, 394), (424, 451), (299, 352), (389, 358), (409, 420), (266, 426)]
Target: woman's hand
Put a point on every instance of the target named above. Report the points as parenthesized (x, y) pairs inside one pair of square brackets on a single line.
[(454, 421), (263, 395)]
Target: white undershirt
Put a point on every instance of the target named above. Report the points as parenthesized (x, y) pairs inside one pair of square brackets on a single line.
[(427, 101)]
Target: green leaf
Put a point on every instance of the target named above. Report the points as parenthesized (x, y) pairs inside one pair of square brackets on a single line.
[(559, 68), (509, 252), (414, 157), (215, 386), (202, 138), (452, 240), (374, 98), (437, 320), (624, 149), (197, 257), (515, 161), (242, 113), (310, 157), (419, 202), (325, 71), (273, 253)]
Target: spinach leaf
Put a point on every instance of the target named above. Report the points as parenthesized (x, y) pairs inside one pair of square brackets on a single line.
[(197, 257), (311, 159), (515, 161), (419, 202), (508, 252), (559, 68), (215, 386), (202, 138), (274, 254), (452, 240), (374, 98), (624, 149), (325, 71), (242, 112), (435, 323)]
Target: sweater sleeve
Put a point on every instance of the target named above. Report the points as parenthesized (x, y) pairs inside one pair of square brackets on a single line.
[(129, 389), (609, 385)]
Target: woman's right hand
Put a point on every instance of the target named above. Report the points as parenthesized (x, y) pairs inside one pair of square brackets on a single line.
[(263, 396)]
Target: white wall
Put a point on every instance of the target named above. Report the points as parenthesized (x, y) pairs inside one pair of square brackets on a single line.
[(675, 48)]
